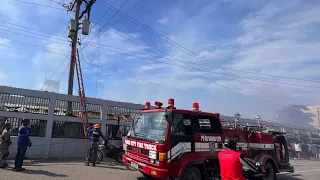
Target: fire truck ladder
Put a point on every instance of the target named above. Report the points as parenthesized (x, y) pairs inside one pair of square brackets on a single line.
[(83, 104)]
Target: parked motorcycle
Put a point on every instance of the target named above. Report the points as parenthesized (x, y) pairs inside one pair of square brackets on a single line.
[(253, 175), (110, 150)]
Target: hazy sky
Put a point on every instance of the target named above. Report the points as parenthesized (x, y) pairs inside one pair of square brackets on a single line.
[(280, 38)]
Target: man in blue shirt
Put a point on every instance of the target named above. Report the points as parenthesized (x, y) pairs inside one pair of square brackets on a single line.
[(23, 143), (95, 135)]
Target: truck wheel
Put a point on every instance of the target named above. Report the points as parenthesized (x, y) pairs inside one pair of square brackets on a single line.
[(119, 157), (270, 172), (192, 173)]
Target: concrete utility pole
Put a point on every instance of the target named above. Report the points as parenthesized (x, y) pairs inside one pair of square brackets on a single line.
[(74, 42), (73, 35)]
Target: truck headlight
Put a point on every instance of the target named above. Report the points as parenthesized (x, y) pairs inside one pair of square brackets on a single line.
[(152, 155), (125, 147)]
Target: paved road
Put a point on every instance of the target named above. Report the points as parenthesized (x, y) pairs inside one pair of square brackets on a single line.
[(76, 170)]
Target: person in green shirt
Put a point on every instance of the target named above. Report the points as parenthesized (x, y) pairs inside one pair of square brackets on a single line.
[(5, 142)]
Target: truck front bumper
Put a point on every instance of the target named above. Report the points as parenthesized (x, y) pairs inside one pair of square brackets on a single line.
[(146, 169)]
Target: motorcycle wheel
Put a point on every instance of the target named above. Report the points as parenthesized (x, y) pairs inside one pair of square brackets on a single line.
[(119, 157), (99, 156)]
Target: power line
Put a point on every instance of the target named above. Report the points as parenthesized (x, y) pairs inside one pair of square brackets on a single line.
[(98, 49), (105, 23), (191, 53), (65, 70), (191, 69), (26, 28), (258, 79), (42, 5), (99, 20), (33, 46), (284, 77), (54, 72)]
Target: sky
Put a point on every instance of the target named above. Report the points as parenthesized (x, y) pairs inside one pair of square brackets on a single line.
[(217, 53)]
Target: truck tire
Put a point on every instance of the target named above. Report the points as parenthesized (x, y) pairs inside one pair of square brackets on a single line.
[(119, 157), (271, 175), (192, 173)]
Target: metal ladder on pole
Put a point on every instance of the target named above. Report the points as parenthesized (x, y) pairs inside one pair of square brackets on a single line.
[(82, 98)]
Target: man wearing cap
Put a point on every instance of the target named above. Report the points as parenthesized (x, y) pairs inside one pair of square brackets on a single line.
[(95, 135), (23, 143), (5, 142)]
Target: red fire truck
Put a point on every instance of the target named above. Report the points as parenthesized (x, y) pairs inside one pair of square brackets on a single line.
[(169, 143)]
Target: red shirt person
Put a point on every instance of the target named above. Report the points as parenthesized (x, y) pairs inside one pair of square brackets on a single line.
[(231, 162)]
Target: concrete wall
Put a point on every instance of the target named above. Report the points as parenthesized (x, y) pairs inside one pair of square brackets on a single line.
[(47, 147)]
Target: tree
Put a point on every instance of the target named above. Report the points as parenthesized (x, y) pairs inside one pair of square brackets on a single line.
[(294, 115)]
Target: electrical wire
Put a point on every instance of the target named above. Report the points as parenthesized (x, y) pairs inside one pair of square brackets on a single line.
[(98, 59), (191, 70), (99, 20), (284, 77), (61, 76), (42, 5), (246, 82), (126, 1), (148, 58), (34, 46), (192, 53), (28, 28), (55, 72), (232, 89)]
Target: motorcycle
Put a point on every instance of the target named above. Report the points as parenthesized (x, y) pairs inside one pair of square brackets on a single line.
[(110, 150), (250, 174)]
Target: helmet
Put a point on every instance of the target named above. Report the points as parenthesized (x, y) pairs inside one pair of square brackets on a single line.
[(230, 143), (96, 126)]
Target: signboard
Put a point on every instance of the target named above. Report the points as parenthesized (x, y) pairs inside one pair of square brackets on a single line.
[(142, 145)]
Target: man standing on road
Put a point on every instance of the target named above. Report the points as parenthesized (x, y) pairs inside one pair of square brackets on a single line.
[(23, 143), (5, 142), (95, 135)]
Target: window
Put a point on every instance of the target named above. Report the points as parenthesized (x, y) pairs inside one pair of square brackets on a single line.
[(180, 124), (38, 127), (209, 124), (63, 129)]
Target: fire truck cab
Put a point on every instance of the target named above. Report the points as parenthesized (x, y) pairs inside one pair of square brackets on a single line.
[(169, 143)]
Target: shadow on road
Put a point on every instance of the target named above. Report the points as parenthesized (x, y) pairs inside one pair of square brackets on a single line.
[(42, 172), (118, 167), (290, 177)]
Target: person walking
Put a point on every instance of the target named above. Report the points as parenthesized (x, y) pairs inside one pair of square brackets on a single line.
[(5, 142)]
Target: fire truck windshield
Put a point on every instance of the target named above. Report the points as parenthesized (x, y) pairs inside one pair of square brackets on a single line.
[(151, 126)]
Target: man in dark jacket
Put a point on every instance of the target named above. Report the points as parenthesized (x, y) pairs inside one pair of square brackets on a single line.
[(23, 143), (95, 135)]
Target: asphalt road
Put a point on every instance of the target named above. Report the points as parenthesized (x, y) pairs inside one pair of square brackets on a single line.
[(75, 170)]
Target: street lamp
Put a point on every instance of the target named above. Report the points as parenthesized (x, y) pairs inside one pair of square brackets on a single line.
[(237, 116), (257, 117)]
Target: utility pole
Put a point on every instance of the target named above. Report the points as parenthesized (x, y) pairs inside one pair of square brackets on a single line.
[(74, 42), (73, 35)]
